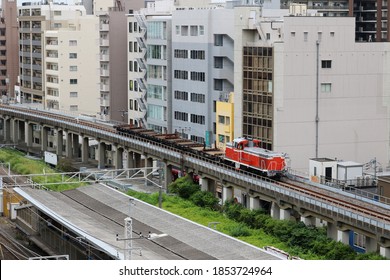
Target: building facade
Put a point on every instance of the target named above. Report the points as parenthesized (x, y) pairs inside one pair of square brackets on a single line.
[(371, 16), (319, 93), (9, 56), (58, 66)]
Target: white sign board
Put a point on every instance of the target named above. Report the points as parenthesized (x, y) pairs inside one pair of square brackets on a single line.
[(51, 158)]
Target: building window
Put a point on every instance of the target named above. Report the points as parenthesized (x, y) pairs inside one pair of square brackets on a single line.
[(130, 27), (198, 119), (57, 13), (73, 94), (218, 40), (131, 104), (179, 74), (181, 95), (221, 119), (198, 97), (184, 30), (131, 85), (305, 36), (73, 108), (194, 30), (135, 66), (326, 87), (177, 29), (292, 33), (72, 42), (135, 47), (181, 116), (218, 62), (155, 112), (198, 55), (319, 35), (201, 30), (326, 63), (198, 76), (73, 68), (155, 71), (155, 52), (130, 66), (181, 53), (218, 84), (130, 46), (73, 81), (268, 36), (72, 55)]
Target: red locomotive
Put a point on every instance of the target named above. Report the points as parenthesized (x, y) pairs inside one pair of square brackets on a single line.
[(246, 153)]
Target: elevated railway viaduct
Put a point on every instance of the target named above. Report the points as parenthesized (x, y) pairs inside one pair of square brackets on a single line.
[(297, 198)]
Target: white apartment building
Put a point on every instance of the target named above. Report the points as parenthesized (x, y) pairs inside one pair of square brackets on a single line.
[(308, 89), (59, 65), (149, 46)]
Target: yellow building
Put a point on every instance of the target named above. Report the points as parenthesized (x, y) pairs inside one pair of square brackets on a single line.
[(10, 201), (225, 120)]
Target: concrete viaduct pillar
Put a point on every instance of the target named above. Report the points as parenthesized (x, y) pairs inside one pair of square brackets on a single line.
[(60, 142), (308, 220), (118, 157), (29, 134), (254, 203), (207, 184), (148, 169), (101, 155), (7, 130), (168, 174), (385, 252), (85, 149), (371, 244), (75, 145), (275, 210), (338, 234), (227, 193), (44, 137), (15, 131), (130, 159), (68, 147), (137, 160)]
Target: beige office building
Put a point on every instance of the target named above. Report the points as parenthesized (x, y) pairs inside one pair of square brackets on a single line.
[(59, 58)]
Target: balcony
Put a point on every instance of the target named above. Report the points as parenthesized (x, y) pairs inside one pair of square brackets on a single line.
[(104, 42), (104, 27), (104, 87), (104, 72), (104, 57), (105, 102)]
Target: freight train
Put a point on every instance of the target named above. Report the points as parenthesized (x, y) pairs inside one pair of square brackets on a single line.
[(242, 153)]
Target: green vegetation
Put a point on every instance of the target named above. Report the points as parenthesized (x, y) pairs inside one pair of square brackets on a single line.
[(25, 166), (253, 226)]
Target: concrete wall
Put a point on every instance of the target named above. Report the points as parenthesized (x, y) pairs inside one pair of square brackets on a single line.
[(359, 86)]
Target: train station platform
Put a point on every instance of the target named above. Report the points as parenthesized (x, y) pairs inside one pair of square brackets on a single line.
[(96, 214)]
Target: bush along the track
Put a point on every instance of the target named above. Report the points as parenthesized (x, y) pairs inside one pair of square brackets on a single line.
[(307, 242), (303, 240), (22, 165)]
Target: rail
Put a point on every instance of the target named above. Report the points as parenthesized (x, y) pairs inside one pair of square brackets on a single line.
[(353, 214)]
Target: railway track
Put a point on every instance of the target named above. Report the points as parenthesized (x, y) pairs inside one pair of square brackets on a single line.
[(357, 205), (11, 248)]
